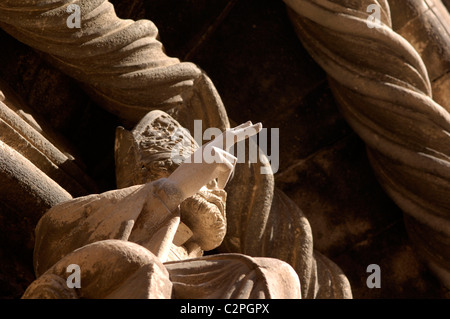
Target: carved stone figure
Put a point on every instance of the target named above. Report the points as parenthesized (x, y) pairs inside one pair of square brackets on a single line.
[(319, 276), (395, 98), (100, 233), (271, 226)]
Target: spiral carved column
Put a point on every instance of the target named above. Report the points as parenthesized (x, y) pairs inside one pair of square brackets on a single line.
[(383, 90)]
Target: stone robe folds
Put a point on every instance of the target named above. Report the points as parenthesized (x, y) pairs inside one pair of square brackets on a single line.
[(121, 238)]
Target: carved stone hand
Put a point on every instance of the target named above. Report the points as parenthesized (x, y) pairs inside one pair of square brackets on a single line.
[(211, 161)]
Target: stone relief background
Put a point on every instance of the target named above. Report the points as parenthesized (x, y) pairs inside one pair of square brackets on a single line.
[(251, 52)]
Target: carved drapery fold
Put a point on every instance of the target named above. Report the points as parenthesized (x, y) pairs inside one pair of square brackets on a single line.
[(121, 62), (263, 221)]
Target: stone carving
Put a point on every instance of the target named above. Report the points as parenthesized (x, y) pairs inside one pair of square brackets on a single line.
[(37, 172), (137, 230), (25, 187), (118, 60), (153, 150), (136, 273), (383, 89), (139, 62), (270, 226), (45, 149), (423, 24), (263, 221)]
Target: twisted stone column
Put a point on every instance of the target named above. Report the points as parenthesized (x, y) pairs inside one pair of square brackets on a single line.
[(383, 90), (121, 62)]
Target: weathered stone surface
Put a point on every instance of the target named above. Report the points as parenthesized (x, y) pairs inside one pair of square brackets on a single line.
[(58, 102), (154, 149), (137, 274), (308, 125), (426, 25), (39, 170), (263, 221), (197, 18), (21, 131), (383, 88), (271, 79), (403, 274), (203, 278), (356, 225), (126, 56), (26, 193), (312, 121), (149, 215)]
